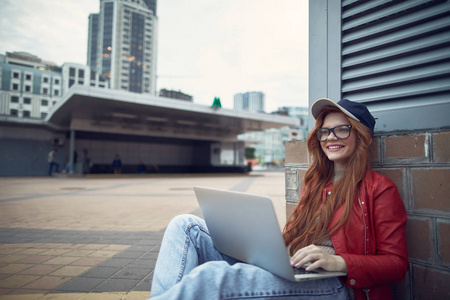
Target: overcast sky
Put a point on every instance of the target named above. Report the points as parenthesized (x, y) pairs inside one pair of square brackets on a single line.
[(206, 48)]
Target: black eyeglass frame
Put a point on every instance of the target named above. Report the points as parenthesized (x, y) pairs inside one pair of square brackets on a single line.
[(331, 130)]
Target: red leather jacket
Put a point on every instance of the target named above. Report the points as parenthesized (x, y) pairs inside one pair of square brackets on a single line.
[(373, 244)]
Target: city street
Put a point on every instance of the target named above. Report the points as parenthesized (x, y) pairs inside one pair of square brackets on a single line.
[(98, 237)]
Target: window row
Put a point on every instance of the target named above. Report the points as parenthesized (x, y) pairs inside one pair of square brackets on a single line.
[(25, 113), (27, 100), (27, 88), (29, 77), (72, 72)]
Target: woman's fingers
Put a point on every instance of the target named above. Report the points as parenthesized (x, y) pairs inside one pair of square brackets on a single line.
[(301, 256), (317, 259)]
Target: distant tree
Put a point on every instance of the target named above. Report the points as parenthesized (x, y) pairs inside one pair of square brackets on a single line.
[(249, 152)]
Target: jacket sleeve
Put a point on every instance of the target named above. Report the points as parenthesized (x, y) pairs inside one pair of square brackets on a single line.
[(386, 260)]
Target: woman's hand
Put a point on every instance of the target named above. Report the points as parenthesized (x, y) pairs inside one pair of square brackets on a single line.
[(318, 259)]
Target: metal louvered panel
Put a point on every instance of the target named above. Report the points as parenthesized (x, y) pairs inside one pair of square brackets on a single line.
[(396, 56)]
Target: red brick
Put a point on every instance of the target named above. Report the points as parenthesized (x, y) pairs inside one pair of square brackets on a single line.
[(296, 152), (441, 147), (397, 176), (431, 188), (444, 241), (430, 283), (401, 290), (418, 236), (408, 146), (374, 151)]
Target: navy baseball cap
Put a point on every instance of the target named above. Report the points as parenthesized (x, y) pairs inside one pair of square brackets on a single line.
[(354, 110)]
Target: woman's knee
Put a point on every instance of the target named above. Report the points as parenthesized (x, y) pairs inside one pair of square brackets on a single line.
[(184, 222), (184, 219)]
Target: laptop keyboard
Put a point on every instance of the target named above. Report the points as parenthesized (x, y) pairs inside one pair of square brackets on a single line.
[(299, 271)]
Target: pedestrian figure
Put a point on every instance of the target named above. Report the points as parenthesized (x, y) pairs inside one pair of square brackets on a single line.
[(52, 162), (117, 165), (141, 168)]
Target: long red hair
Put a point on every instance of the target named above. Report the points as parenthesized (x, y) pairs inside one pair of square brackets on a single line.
[(309, 223)]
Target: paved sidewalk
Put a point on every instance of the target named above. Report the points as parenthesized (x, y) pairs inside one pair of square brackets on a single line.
[(98, 237)]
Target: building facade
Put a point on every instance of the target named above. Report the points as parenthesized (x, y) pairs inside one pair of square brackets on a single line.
[(30, 86), (122, 44), (250, 101), (302, 113)]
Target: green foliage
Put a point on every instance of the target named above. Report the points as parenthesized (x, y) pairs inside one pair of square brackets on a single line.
[(249, 152)]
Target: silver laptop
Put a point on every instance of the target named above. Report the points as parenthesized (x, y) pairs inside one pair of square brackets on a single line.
[(244, 226)]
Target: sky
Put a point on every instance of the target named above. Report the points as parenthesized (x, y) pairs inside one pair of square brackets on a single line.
[(206, 48)]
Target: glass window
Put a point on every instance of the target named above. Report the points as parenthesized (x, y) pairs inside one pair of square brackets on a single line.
[(27, 88), (28, 77), (81, 81), (44, 102), (43, 115), (16, 75), (56, 92), (45, 91), (45, 79), (26, 114), (57, 81), (27, 100), (14, 99), (14, 112), (15, 87), (71, 82), (71, 71), (81, 73)]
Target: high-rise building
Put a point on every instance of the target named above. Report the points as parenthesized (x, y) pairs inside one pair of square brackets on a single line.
[(92, 41), (122, 44), (151, 4), (250, 101)]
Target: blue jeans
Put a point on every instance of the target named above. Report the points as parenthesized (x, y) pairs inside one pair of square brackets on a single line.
[(189, 267), (50, 167)]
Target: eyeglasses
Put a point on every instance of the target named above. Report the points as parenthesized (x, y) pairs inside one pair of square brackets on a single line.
[(341, 132)]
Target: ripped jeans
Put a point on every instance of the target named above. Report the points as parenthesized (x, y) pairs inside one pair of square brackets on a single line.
[(189, 267)]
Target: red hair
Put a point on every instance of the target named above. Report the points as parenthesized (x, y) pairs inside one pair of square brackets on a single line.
[(309, 223)]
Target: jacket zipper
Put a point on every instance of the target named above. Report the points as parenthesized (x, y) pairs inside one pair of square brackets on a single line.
[(365, 227), (366, 291)]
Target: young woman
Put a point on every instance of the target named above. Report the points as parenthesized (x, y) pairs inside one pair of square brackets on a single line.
[(349, 218)]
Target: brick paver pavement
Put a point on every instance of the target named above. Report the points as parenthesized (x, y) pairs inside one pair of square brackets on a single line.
[(98, 237)]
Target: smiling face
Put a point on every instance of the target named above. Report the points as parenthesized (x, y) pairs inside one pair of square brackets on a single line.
[(337, 150)]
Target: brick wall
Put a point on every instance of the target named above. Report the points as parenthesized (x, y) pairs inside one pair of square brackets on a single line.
[(419, 164)]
